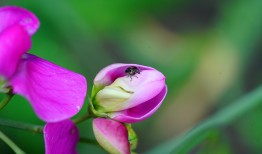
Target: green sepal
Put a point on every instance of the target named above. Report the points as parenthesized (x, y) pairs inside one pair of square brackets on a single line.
[(93, 112), (3, 86), (132, 138)]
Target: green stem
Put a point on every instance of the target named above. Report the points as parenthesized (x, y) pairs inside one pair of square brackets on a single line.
[(7, 99), (82, 118), (11, 144), (89, 141), (22, 126)]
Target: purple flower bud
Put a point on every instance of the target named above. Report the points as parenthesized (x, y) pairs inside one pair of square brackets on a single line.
[(128, 92), (111, 135)]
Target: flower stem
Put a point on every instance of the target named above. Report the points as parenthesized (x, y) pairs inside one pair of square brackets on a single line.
[(82, 118), (7, 99), (23, 126), (10, 143)]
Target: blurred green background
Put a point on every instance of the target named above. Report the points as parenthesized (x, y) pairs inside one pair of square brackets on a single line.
[(209, 51)]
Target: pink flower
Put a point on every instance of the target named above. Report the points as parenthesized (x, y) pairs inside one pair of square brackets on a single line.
[(61, 137), (128, 92), (54, 92), (111, 135)]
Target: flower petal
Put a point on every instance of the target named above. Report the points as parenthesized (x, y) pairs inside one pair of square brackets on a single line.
[(14, 42), (61, 137), (110, 73), (142, 111), (12, 15), (54, 92), (140, 89), (111, 135)]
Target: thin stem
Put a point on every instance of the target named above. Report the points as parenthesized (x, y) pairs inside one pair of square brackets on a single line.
[(7, 99), (10, 143), (23, 126), (89, 141), (82, 118)]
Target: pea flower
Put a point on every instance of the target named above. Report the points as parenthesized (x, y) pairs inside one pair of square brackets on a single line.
[(55, 93), (61, 137), (111, 135), (128, 92)]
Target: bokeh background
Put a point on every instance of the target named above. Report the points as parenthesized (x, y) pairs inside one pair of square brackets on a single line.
[(209, 51)]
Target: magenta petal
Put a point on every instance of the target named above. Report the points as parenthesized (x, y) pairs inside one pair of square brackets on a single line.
[(148, 84), (61, 137), (142, 111), (12, 15), (14, 42), (110, 73), (111, 135), (54, 92)]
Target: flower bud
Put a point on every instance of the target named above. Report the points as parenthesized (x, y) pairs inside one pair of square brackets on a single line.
[(128, 92), (111, 135)]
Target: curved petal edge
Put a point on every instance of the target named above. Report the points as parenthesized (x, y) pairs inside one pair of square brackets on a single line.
[(54, 92), (13, 15), (142, 111)]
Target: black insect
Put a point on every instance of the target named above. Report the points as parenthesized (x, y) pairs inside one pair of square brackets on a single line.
[(132, 71)]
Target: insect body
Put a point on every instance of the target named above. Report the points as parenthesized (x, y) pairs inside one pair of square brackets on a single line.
[(132, 71)]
